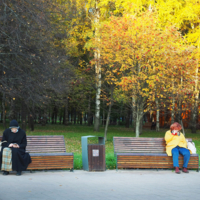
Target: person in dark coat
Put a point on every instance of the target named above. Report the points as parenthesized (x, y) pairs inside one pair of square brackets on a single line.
[(14, 138)]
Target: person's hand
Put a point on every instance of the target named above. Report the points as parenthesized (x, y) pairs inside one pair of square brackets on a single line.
[(11, 145), (15, 145)]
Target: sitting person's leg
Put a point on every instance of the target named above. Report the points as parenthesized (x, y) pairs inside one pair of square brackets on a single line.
[(17, 160), (175, 155), (6, 164), (20, 160), (186, 154)]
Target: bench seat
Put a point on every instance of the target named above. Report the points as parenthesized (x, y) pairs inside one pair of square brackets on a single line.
[(51, 161), (146, 153), (158, 161), (48, 152)]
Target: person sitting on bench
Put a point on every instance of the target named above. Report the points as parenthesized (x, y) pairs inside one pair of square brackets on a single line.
[(13, 156), (176, 143)]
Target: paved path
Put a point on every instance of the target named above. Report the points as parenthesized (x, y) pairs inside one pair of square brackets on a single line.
[(108, 185)]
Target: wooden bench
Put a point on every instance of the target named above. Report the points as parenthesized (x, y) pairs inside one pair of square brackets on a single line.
[(48, 152), (132, 152)]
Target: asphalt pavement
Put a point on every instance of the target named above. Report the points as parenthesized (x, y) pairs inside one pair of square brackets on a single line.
[(108, 185)]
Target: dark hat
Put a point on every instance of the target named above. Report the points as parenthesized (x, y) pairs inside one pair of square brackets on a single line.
[(14, 124)]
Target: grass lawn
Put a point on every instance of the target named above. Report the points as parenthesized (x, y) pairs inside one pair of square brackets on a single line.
[(73, 134)]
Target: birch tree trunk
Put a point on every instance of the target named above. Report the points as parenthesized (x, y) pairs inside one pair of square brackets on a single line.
[(157, 116), (195, 113), (173, 105), (139, 115), (137, 128), (134, 113), (173, 111), (180, 121), (141, 125), (194, 117), (195, 106), (108, 115), (97, 71)]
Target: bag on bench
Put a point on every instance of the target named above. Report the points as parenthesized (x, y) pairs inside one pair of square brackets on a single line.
[(191, 147)]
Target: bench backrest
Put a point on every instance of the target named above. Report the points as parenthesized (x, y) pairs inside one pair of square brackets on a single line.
[(139, 145), (45, 144)]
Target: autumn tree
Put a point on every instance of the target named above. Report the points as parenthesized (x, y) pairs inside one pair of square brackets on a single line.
[(184, 15), (89, 16), (139, 50)]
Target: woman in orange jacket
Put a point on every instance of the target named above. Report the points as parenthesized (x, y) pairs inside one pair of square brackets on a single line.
[(176, 144)]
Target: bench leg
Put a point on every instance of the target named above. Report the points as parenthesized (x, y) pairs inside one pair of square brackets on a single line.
[(116, 165), (198, 170), (72, 169)]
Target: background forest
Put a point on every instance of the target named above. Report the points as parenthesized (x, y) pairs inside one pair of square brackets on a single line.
[(100, 62)]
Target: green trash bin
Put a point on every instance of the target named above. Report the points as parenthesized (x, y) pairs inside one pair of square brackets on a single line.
[(93, 155)]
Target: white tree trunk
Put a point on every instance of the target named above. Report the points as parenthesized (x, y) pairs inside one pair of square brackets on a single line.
[(196, 92), (157, 116), (195, 106), (173, 110), (108, 116), (97, 71), (173, 105), (137, 128), (139, 115), (134, 113)]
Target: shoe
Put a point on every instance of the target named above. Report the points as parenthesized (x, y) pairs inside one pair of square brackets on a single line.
[(177, 170), (5, 173), (18, 173), (185, 170)]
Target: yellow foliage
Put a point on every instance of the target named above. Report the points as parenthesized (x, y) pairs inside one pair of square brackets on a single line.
[(141, 58)]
